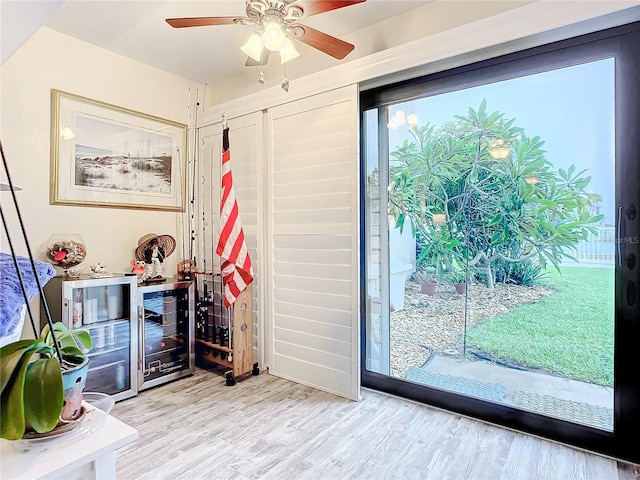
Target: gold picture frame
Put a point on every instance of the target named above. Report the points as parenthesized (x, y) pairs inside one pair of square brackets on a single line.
[(108, 156)]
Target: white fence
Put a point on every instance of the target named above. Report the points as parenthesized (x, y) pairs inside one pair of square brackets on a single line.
[(598, 249)]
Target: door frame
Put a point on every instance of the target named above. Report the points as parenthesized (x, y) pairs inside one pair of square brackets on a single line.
[(616, 42)]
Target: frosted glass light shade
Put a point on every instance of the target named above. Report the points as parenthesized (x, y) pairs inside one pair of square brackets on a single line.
[(67, 133), (253, 47), (273, 37), (288, 52)]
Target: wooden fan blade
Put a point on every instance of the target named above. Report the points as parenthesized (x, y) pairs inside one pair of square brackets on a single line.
[(313, 7), (200, 21), (264, 58), (325, 43)]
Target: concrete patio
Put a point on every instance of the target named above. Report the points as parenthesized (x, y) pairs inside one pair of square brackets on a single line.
[(522, 380)]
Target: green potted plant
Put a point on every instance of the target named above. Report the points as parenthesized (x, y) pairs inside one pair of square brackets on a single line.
[(459, 280), (428, 283), (38, 395)]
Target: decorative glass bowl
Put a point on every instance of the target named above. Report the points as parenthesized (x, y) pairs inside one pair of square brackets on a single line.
[(66, 251), (96, 406), (99, 406)]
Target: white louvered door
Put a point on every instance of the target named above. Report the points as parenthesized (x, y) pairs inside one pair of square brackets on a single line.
[(312, 241)]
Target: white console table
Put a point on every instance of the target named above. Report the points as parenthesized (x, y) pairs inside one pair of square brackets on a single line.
[(90, 457)]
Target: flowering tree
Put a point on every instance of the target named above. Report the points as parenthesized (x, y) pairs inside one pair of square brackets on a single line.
[(479, 192)]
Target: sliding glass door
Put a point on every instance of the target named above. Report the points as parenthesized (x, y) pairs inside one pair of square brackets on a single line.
[(498, 232)]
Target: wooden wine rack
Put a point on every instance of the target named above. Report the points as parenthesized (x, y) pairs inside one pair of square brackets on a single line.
[(238, 356)]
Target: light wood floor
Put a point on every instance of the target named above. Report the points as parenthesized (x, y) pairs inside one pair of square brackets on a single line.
[(268, 428)]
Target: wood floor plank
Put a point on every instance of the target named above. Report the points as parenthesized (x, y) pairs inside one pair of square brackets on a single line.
[(268, 428), (543, 460)]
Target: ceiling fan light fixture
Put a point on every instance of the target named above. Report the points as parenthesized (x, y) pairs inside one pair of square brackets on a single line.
[(253, 47), (288, 52), (273, 36), (66, 133)]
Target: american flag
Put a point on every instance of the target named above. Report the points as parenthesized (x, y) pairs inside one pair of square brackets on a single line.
[(237, 272)]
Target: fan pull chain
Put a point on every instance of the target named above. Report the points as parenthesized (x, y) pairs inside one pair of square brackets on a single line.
[(284, 83)]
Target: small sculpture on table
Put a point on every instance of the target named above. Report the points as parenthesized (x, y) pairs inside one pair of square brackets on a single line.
[(100, 271), (153, 259), (153, 250), (137, 267)]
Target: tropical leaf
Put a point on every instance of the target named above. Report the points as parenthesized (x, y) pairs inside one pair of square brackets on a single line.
[(10, 355), (71, 350), (34, 390), (66, 338), (11, 400), (84, 339), (44, 394)]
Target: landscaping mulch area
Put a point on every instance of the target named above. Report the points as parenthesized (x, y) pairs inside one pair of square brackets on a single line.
[(434, 324)]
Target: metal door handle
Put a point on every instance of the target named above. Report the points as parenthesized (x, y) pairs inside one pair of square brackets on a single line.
[(619, 237), (630, 213), (140, 337)]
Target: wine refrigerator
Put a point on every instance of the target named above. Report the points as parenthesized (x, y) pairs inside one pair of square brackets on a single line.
[(166, 332)]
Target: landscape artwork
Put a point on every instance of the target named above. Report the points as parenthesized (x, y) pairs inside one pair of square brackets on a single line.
[(108, 156), (125, 159)]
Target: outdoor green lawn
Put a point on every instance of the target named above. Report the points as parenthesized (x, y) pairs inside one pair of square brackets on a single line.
[(569, 333)]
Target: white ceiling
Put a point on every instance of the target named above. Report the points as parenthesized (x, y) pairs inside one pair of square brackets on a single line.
[(20, 20), (137, 29)]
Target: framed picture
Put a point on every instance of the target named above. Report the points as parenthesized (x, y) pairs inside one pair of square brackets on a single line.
[(108, 156)]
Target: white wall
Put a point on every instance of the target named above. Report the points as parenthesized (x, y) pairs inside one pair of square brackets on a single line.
[(53, 60)]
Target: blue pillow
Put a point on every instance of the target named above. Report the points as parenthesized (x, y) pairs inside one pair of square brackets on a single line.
[(11, 297)]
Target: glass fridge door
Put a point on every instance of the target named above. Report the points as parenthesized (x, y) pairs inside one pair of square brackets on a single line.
[(104, 308), (167, 336)]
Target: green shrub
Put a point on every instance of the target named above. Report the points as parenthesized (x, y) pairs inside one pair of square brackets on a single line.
[(498, 211)]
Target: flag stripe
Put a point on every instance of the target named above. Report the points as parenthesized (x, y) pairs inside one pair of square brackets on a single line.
[(237, 271), (230, 227)]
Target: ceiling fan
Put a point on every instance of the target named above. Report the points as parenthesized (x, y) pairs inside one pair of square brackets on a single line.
[(278, 22)]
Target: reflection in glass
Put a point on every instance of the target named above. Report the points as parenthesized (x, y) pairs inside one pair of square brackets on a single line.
[(490, 244)]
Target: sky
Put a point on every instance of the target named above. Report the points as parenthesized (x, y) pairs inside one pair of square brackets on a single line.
[(118, 138), (571, 109)]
